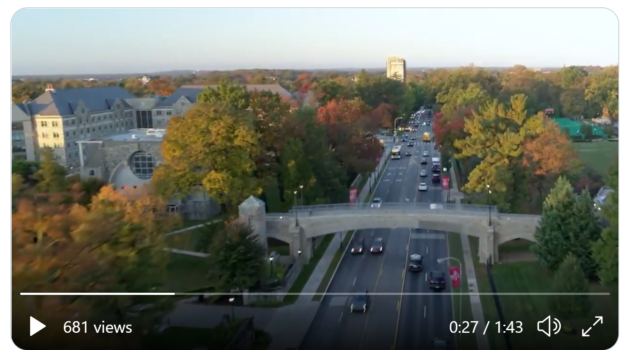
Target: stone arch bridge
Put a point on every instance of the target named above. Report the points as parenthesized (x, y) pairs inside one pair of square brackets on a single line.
[(303, 223)]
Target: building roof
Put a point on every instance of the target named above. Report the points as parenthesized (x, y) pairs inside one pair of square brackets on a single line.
[(64, 101), (574, 127), (192, 91), (18, 114), (135, 135)]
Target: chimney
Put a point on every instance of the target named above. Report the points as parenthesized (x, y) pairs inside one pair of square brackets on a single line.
[(49, 87)]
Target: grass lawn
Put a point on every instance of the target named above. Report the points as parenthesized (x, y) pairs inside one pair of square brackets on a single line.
[(307, 270), (216, 338), (186, 273), (530, 277), (455, 250), (196, 239), (599, 155)]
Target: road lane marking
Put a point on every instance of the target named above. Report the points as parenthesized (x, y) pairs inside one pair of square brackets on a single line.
[(427, 249), (398, 305), (426, 276), (355, 281), (425, 311), (398, 180), (403, 274), (402, 290), (341, 316)]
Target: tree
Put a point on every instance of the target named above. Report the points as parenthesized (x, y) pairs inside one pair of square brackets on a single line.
[(213, 146), (50, 176), (327, 90), (162, 86), (26, 169), (17, 185), (551, 234), (226, 92), (456, 98), (496, 135), (448, 129), (583, 229), (587, 131), (603, 90), (296, 170), (570, 279), (606, 248), (89, 188), (237, 259), (572, 102)]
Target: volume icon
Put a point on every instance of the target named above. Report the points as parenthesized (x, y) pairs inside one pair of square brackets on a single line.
[(549, 326)]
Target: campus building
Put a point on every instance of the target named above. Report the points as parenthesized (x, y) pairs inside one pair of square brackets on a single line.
[(396, 68)]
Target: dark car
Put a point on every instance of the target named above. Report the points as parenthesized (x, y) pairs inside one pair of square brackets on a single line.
[(437, 280), (410, 144), (408, 154), (423, 161), (377, 246), (357, 246), (439, 344), (435, 178), (415, 263), (359, 302)]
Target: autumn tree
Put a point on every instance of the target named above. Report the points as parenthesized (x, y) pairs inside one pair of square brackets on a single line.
[(213, 146), (50, 176), (606, 248), (496, 135), (162, 86), (457, 98), (448, 129), (231, 93), (327, 90)]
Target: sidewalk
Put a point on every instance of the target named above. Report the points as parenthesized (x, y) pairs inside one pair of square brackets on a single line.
[(475, 301)]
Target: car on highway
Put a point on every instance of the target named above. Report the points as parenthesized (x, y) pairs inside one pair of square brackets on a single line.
[(425, 153), (423, 161), (423, 173), (435, 178), (357, 246), (439, 344), (424, 123), (410, 144), (408, 154), (377, 245), (415, 263), (359, 302), (437, 280), (423, 187), (376, 202), (413, 138)]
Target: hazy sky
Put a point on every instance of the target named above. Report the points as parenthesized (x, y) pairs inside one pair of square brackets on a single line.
[(55, 41)]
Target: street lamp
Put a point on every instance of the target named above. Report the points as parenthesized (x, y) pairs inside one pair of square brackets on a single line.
[(232, 305), (271, 268), (441, 260), (300, 256), (301, 195), (294, 209), (448, 193), (489, 216)]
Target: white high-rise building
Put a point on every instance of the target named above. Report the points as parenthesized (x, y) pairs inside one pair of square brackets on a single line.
[(396, 68)]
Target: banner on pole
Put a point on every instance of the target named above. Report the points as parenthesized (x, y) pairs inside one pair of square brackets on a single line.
[(455, 276), (353, 195), (445, 181)]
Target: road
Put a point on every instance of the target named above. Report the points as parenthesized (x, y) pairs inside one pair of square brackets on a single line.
[(391, 321)]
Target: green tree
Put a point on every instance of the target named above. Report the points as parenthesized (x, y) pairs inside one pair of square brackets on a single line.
[(51, 177), (603, 89), (586, 130), (296, 171), (327, 90), (570, 279), (551, 233), (26, 169), (237, 259), (17, 185), (583, 230), (227, 92), (89, 188), (606, 249), (212, 145), (457, 98), (572, 102)]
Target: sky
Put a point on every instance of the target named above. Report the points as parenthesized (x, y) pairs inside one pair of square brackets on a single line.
[(105, 41)]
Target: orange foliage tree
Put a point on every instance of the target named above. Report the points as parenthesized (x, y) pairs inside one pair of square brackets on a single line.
[(162, 86), (447, 130)]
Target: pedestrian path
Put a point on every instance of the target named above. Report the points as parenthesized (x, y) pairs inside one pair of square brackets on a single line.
[(320, 270), (475, 300)]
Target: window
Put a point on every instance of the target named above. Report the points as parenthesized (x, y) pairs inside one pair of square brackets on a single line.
[(142, 165), (158, 112), (74, 133), (72, 122), (67, 133), (44, 123), (54, 124), (55, 135), (168, 112), (44, 135), (91, 172), (182, 103)]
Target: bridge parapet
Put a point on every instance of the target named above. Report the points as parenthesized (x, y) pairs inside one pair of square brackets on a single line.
[(409, 206)]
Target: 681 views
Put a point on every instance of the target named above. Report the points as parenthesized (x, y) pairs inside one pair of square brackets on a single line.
[(82, 327)]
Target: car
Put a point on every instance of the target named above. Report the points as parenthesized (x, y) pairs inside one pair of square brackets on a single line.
[(424, 123), (435, 178), (410, 144), (423, 161), (423, 173), (439, 344), (357, 246), (413, 138), (359, 302), (437, 280), (377, 245), (376, 202), (423, 187), (425, 153), (415, 263), (408, 154)]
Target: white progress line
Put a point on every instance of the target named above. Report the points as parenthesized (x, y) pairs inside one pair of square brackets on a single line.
[(333, 294)]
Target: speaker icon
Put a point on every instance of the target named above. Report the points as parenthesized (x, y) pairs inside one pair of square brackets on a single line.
[(545, 326)]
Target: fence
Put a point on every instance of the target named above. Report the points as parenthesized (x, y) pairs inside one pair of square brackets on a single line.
[(497, 304), (244, 336)]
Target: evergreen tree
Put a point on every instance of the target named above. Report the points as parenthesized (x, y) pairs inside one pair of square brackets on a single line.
[(583, 230), (551, 234), (606, 249), (570, 279), (51, 177)]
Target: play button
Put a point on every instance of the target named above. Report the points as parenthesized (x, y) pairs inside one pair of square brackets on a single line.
[(36, 326)]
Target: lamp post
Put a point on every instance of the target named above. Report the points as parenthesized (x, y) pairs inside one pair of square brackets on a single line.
[(232, 305), (448, 193), (441, 260), (301, 195), (300, 256), (489, 215), (294, 209), (271, 268)]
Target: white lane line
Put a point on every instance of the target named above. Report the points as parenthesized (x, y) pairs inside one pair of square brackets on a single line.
[(427, 249), (398, 180), (340, 316), (355, 281), (426, 276), (425, 312)]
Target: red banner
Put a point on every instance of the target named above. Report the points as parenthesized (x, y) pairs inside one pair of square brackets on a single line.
[(455, 276), (445, 181), (353, 195)]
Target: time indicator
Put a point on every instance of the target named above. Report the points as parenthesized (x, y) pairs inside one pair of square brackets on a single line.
[(514, 327)]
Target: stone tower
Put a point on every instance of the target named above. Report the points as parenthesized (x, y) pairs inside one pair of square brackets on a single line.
[(252, 212)]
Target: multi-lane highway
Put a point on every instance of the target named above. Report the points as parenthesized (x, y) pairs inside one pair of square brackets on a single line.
[(395, 321)]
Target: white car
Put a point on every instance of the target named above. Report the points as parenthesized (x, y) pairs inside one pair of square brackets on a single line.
[(423, 173), (376, 203), (423, 187), (425, 153)]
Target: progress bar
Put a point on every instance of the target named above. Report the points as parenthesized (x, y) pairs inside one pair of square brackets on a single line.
[(312, 294)]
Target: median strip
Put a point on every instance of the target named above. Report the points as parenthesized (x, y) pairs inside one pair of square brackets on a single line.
[(336, 260)]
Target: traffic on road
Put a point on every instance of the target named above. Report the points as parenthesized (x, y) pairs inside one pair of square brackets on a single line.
[(394, 270)]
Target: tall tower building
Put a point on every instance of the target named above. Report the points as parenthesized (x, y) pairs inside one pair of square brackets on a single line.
[(396, 68)]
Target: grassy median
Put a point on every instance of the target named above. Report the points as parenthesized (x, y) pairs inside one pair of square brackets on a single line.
[(307, 270), (456, 251)]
